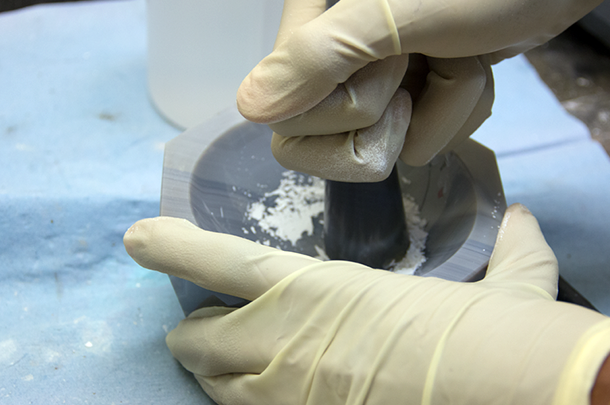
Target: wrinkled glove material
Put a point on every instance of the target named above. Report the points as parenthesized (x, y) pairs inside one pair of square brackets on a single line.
[(342, 333), (340, 74)]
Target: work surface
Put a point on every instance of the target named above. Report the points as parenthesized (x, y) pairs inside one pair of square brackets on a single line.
[(81, 151)]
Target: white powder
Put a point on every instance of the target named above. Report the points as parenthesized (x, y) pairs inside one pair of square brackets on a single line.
[(415, 256), (289, 212)]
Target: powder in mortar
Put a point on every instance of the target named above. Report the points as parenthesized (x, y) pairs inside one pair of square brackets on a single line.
[(288, 213)]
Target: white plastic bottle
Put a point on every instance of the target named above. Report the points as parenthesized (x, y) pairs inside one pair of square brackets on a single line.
[(199, 51)]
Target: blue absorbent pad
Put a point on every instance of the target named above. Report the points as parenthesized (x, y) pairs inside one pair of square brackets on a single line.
[(81, 150)]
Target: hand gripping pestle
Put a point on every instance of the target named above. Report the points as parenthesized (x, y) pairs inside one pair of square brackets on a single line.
[(365, 222)]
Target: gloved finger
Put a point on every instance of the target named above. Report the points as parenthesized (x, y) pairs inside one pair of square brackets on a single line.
[(218, 262), (238, 389), (521, 253), (212, 344), (364, 155), (217, 341), (296, 13), (450, 101), (358, 103), (481, 111), (250, 338), (233, 389), (307, 65)]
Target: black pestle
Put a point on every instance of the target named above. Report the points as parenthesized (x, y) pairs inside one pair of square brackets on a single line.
[(365, 222)]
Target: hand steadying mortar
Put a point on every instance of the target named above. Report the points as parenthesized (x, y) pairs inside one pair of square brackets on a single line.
[(339, 333)]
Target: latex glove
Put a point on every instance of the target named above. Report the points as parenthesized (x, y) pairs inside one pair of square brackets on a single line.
[(437, 103), (342, 333), (298, 87)]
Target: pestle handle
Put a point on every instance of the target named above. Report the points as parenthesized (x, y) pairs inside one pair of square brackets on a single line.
[(365, 222)]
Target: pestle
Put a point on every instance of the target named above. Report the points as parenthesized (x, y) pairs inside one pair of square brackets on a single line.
[(365, 222)]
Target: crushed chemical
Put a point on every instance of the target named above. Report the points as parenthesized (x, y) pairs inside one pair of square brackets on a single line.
[(290, 211)]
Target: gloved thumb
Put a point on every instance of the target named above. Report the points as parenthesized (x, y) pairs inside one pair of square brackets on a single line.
[(521, 253), (217, 262)]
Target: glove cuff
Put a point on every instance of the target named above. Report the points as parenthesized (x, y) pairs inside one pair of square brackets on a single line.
[(580, 372)]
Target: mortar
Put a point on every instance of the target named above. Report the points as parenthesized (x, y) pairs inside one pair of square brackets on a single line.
[(214, 170)]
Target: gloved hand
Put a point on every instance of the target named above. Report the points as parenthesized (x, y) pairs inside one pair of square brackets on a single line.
[(312, 84), (341, 333)]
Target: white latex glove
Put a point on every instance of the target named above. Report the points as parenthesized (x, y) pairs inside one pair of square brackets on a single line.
[(312, 85), (342, 333)]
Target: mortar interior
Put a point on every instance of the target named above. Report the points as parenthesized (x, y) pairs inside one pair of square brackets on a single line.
[(459, 194)]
